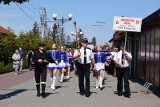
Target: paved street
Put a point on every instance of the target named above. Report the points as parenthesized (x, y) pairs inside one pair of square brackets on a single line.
[(23, 94)]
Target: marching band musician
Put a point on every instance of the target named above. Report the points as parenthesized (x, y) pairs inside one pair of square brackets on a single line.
[(85, 57), (69, 63), (62, 59), (121, 60), (52, 67), (100, 57)]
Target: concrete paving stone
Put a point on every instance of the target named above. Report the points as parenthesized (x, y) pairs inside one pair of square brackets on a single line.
[(24, 95)]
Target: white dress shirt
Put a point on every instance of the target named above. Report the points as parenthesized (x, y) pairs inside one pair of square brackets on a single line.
[(118, 57), (89, 55)]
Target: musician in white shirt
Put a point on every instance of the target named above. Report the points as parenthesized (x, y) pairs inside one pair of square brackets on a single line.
[(85, 57), (121, 60)]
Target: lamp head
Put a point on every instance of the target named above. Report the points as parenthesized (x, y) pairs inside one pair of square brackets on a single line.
[(70, 16), (54, 16), (72, 33)]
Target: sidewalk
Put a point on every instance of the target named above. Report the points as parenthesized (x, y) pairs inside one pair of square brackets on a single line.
[(66, 95), (10, 79)]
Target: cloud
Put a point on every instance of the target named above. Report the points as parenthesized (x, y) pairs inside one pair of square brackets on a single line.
[(6, 15)]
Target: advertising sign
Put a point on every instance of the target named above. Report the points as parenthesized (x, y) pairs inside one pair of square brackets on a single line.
[(127, 24)]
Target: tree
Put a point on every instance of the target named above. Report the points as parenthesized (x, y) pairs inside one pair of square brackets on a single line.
[(28, 41), (7, 48), (94, 41), (73, 44), (106, 46), (35, 29), (10, 30), (68, 39), (16, 1), (55, 32)]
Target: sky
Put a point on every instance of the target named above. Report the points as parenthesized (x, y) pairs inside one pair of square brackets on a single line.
[(86, 13)]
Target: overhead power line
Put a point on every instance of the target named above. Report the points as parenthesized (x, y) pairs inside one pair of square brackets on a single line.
[(25, 13), (34, 12)]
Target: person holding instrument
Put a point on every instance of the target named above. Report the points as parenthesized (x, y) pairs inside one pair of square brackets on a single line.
[(85, 58), (121, 60)]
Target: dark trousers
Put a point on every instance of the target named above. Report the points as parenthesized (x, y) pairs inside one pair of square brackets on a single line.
[(40, 78), (84, 72), (77, 64), (111, 67), (122, 75), (29, 64)]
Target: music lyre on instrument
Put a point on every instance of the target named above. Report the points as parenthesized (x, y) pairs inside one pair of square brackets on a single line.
[(77, 45)]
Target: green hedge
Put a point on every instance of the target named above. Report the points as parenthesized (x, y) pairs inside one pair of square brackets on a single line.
[(6, 68), (9, 43), (9, 67)]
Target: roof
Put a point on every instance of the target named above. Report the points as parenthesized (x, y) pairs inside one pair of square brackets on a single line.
[(3, 30), (152, 19)]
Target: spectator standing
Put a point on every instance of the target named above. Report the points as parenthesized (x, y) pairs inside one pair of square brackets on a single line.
[(16, 61), (21, 58), (29, 59)]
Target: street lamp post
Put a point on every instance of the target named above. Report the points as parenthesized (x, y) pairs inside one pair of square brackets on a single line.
[(62, 20), (80, 34), (77, 38), (68, 39)]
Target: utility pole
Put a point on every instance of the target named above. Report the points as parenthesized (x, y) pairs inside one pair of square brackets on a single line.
[(44, 24)]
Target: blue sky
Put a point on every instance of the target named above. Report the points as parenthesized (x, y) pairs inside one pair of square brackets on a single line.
[(85, 12)]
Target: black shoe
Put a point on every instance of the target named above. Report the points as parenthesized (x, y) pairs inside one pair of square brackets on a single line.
[(38, 94), (43, 94), (120, 93), (101, 88), (81, 93), (127, 94), (87, 95)]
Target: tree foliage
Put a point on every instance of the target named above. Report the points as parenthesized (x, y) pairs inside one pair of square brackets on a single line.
[(94, 41), (27, 41), (35, 29), (7, 48), (55, 32), (16, 1)]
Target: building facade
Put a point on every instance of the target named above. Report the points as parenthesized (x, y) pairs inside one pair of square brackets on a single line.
[(148, 50)]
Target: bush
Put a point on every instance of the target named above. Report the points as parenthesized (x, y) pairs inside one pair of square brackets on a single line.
[(9, 43), (6, 68), (25, 64), (9, 67), (1, 66)]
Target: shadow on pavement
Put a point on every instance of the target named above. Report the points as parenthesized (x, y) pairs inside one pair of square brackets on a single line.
[(65, 80), (90, 92), (57, 87), (11, 94), (115, 92), (47, 94)]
